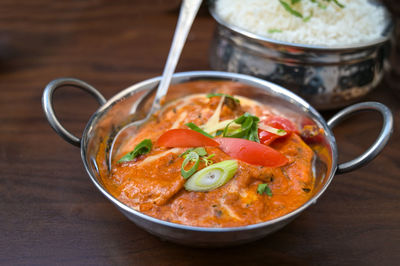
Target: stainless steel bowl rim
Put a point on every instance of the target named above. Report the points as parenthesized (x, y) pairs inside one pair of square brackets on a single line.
[(386, 36)]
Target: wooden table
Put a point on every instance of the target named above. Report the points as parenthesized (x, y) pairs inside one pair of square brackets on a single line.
[(52, 214)]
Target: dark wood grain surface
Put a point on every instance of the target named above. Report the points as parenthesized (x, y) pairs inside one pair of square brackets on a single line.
[(52, 214)]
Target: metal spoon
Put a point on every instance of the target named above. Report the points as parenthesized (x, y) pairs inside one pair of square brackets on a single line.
[(189, 9)]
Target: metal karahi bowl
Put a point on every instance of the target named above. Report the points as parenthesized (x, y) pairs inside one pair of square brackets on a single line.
[(117, 111), (326, 77)]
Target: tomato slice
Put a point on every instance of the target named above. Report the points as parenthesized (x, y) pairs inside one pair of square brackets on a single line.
[(277, 122), (184, 138), (310, 132), (252, 152)]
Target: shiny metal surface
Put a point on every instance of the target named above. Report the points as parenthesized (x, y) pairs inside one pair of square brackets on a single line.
[(380, 142), (189, 9), (187, 14), (47, 105), (326, 77), (109, 117)]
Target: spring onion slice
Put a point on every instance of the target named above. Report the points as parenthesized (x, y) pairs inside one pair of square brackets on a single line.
[(192, 156), (142, 148), (200, 151), (276, 131), (212, 176)]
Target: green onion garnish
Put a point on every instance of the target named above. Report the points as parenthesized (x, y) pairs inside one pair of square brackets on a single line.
[(264, 188), (207, 160), (186, 152), (190, 157), (193, 126), (142, 148), (212, 177), (200, 151)]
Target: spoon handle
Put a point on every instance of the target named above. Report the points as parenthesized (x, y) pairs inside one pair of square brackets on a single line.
[(187, 14)]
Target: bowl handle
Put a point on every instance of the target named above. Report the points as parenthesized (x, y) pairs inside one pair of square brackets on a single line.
[(379, 143), (47, 104)]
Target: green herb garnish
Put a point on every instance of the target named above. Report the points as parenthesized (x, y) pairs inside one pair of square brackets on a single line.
[(210, 95), (339, 4), (274, 31), (193, 126), (264, 188), (290, 9), (219, 132), (320, 5), (324, 6), (142, 148), (248, 128), (306, 19)]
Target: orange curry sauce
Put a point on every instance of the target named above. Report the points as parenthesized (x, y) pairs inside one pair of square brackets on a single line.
[(152, 183)]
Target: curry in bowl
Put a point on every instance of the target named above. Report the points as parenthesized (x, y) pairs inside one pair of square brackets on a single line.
[(214, 160), (211, 192)]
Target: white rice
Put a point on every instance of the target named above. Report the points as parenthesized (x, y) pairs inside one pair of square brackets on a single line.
[(358, 22)]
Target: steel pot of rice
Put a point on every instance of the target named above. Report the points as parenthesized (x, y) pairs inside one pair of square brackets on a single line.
[(331, 53)]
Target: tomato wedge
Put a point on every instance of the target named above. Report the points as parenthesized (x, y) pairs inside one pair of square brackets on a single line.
[(252, 152), (278, 123), (184, 138), (310, 132)]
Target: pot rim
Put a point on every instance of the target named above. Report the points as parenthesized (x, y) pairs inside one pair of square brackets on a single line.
[(186, 76), (386, 35)]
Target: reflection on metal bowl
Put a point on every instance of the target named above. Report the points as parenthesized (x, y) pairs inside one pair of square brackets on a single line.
[(327, 77)]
